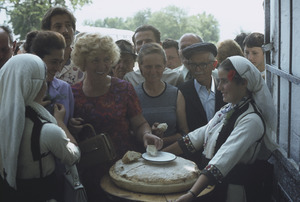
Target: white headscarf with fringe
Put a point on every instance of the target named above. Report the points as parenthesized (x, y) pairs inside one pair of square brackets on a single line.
[(260, 94), (21, 78)]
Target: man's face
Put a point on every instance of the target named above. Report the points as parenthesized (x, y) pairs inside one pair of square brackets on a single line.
[(201, 66), (6, 48), (125, 64), (173, 59), (142, 38), (63, 25), (185, 42)]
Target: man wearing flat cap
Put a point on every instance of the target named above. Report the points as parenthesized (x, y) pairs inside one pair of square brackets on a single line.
[(127, 59), (202, 98)]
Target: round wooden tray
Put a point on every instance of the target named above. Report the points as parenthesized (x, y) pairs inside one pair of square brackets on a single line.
[(109, 186)]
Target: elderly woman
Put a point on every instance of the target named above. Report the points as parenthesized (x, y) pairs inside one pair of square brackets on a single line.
[(161, 102), (30, 136), (108, 103), (237, 141)]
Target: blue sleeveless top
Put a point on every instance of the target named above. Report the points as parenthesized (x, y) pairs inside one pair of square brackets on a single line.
[(161, 108)]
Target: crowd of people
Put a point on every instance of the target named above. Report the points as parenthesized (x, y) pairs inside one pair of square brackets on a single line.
[(214, 99)]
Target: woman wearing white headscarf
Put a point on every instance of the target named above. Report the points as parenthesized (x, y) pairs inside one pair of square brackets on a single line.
[(238, 140), (22, 84)]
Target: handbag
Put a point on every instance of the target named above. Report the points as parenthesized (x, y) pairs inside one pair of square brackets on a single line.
[(96, 150), (73, 189)]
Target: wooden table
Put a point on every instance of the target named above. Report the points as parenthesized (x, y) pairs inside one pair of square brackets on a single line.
[(109, 187)]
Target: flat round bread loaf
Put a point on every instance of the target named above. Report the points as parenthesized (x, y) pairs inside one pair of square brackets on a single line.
[(145, 177)]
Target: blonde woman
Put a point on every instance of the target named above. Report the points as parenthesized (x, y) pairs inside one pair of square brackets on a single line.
[(108, 103)]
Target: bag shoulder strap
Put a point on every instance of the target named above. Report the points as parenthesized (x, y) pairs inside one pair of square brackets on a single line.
[(35, 136)]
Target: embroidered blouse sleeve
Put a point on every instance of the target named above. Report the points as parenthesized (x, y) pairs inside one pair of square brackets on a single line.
[(193, 141), (240, 147)]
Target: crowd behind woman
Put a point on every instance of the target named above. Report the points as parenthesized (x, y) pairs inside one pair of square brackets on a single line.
[(130, 115)]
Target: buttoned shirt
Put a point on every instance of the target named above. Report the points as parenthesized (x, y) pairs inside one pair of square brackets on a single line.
[(207, 98)]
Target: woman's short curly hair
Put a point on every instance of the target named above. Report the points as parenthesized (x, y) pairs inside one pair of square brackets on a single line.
[(90, 45)]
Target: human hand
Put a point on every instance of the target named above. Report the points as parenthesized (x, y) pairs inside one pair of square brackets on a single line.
[(150, 139), (45, 103), (59, 112), (156, 131), (75, 125)]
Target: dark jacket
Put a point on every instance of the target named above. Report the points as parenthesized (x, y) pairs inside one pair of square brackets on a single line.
[(195, 113)]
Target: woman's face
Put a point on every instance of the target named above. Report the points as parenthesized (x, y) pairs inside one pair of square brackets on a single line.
[(152, 67), (231, 91), (54, 62), (98, 66)]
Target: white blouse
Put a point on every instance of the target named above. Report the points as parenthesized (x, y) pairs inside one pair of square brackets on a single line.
[(241, 145), (54, 141)]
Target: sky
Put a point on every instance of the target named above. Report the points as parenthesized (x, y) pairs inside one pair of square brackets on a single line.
[(232, 15)]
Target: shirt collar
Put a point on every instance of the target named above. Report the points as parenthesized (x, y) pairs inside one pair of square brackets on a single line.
[(198, 86)]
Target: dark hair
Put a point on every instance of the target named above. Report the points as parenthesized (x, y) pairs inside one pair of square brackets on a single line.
[(126, 47), (151, 48), (254, 39), (170, 43), (18, 47), (227, 66), (147, 28), (46, 21), (9, 32), (42, 43), (240, 39)]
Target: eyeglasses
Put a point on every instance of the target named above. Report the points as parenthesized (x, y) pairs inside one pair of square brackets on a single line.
[(202, 65)]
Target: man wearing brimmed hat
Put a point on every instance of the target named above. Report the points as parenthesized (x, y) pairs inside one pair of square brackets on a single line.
[(127, 59), (201, 96)]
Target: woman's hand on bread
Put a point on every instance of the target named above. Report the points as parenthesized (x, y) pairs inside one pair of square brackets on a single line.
[(150, 139)]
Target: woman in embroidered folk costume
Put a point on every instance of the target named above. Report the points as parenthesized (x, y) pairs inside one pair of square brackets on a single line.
[(238, 140), (30, 136)]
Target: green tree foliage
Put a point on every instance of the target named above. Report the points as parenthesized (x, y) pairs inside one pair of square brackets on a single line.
[(171, 21), (205, 26), (26, 15)]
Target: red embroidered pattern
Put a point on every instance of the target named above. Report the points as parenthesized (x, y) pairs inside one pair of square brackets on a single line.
[(188, 143), (214, 171), (231, 74)]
